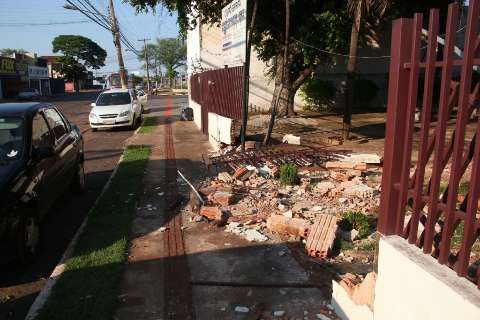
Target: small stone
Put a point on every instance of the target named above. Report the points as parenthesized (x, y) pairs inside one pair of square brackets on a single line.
[(242, 309), (279, 313), (330, 307), (282, 292)]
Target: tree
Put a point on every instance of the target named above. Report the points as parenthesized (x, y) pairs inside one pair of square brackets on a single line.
[(357, 9), (152, 52), (79, 53), (7, 52), (308, 18), (172, 54)]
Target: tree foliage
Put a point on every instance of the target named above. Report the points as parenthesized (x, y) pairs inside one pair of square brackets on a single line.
[(79, 53), (169, 52), (6, 52), (81, 49)]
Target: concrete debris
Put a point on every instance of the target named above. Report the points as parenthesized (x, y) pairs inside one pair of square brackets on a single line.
[(288, 226), (321, 237), (242, 309), (291, 139), (251, 235), (370, 158), (359, 190)]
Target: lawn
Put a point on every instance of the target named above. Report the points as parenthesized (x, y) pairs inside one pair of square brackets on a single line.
[(88, 288), (148, 125)]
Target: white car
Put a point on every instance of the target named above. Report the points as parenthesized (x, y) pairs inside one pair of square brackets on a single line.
[(116, 108), (29, 94)]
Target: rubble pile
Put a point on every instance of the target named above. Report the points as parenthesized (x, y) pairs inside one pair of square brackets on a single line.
[(252, 203)]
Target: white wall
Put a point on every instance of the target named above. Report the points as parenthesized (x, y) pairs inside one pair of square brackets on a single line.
[(219, 129), (197, 113), (413, 285)]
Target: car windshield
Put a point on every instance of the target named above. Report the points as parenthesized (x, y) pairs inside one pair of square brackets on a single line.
[(113, 98), (11, 138)]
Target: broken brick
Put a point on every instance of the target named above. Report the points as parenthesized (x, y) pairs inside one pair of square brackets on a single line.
[(212, 213), (242, 174), (346, 165), (223, 198), (288, 226)]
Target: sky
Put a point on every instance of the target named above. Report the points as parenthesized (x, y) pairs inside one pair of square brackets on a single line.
[(39, 39)]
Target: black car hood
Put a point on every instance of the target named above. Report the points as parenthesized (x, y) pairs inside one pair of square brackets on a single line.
[(8, 172)]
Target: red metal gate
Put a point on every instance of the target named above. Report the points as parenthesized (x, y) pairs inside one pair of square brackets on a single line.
[(452, 152), (218, 91)]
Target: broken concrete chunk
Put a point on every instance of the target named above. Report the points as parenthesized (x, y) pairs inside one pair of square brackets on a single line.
[(279, 313), (347, 235), (346, 165), (359, 190), (324, 187), (223, 198), (288, 226), (242, 309), (291, 139), (253, 235), (362, 157)]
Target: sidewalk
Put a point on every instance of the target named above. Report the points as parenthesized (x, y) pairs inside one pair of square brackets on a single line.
[(178, 269)]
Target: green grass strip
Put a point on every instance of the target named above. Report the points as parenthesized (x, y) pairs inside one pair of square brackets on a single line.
[(149, 124), (88, 288)]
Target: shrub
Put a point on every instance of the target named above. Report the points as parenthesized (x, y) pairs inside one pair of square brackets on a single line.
[(355, 220), (364, 91), (318, 94), (288, 174)]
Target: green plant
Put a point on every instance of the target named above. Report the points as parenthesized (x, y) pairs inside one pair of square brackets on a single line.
[(355, 220), (364, 90), (288, 174), (318, 94)]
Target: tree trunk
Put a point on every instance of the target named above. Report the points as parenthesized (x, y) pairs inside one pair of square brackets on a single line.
[(352, 63)]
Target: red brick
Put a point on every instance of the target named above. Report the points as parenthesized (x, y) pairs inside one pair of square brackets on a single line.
[(212, 213), (321, 237)]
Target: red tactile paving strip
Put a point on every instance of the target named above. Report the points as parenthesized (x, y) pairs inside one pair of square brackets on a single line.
[(178, 294), (322, 235)]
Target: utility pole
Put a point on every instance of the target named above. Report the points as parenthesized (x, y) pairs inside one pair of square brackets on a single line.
[(146, 61), (116, 41)]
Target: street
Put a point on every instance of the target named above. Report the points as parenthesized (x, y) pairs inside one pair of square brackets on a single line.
[(102, 150)]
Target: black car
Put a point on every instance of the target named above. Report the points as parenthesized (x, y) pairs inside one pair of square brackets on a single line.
[(41, 155)]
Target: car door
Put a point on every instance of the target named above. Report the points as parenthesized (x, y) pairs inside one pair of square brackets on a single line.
[(42, 171), (65, 149), (135, 103)]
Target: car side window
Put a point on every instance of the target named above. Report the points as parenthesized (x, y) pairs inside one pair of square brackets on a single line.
[(41, 136), (56, 123)]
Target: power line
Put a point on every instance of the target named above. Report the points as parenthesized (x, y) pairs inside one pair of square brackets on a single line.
[(25, 24)]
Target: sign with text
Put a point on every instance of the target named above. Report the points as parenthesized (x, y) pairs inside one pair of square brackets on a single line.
[(234, 29)]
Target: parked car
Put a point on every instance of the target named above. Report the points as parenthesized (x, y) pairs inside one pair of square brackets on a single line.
[(29, 94), (41, 154), (116, 108)]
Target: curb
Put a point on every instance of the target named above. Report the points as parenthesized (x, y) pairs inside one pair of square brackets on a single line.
[(60, 267)]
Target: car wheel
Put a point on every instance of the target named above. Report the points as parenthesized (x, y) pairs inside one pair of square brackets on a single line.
[(79, 182), (28, 235)]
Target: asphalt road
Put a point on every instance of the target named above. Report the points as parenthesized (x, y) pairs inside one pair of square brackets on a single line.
[(20, 285)]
